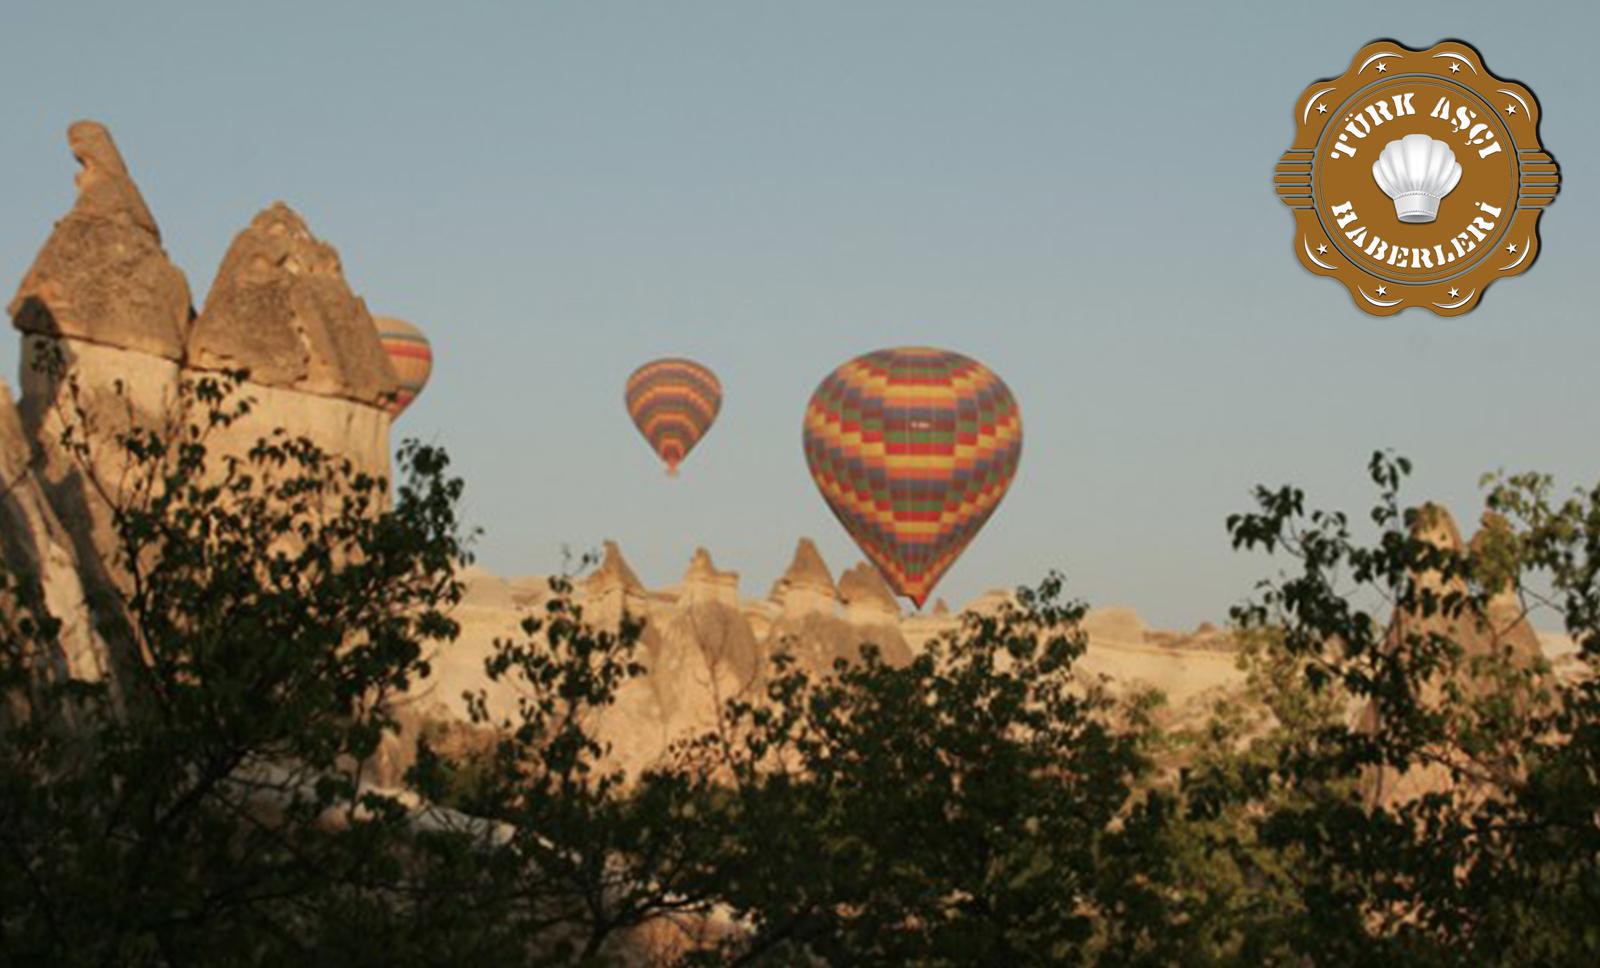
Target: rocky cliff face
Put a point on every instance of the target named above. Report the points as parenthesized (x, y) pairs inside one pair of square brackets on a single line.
[(703, 643), (104, 315), (103, 294), (103, 301), (810, 616), (37, 556), (806, 587)]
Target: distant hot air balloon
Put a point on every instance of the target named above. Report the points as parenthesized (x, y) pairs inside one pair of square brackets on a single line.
[(673, 402), (410, 355), (913, 448)]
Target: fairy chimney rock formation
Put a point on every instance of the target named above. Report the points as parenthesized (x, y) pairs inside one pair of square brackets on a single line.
[(614, 579), (807, 586), (104, 302), (702, 582), (102, 276), (866, 596), (103, 299), (280, 308), (1500, 628), (703, 650)]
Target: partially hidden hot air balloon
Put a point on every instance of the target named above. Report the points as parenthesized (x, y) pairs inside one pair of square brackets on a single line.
[(913, 448), (673, 402), (410, 355)]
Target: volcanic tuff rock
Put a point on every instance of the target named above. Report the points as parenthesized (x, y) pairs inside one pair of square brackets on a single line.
[(1500, 630), (1501, 627), (37, 554), (704, 654), (807, 585), (702, 645), (103, 276), (613, 577), (874, 613), (702, 582), (529, 591), (280, 307), (103, 299), (866, 596), (482, 588), (990, 602), (1115, 622)]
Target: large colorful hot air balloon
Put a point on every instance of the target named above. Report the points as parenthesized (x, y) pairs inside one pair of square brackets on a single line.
[(410, 355), (913, 449), (673, 402)]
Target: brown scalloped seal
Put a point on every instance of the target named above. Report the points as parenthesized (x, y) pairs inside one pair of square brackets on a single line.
[(1417, 178)]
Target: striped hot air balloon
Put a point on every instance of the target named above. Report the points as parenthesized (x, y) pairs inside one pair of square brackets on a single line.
[(913, 449), (673, 402), (410, 355)]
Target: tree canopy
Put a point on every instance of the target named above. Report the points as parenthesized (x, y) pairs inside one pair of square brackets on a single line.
[(1396, 785)]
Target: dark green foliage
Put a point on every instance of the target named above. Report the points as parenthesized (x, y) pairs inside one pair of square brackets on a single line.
[(986, 803), (951, 811), (190, 808), (1493, 857)]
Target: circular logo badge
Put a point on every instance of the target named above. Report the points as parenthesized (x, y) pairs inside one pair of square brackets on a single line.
[(1417, 178)]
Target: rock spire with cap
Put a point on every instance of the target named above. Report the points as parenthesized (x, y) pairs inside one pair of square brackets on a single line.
[(281, 308), (807, 586), (613, 575), (703, 582), (102, 276), (866, 596), (806, 570)]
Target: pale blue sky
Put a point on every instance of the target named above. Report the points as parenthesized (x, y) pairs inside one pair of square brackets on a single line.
[(1080, 198)]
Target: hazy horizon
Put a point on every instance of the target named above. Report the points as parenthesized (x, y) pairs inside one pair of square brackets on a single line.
[(1081, 200)]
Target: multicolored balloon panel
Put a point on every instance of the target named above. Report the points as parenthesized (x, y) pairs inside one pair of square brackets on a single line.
[(409, 354), (913, 448), (673, 402)]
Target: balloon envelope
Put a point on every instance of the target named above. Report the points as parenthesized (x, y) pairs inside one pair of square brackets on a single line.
[(913, 448), (409, 354), (673, 402)]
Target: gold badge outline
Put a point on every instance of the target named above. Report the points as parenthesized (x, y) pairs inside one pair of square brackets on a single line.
[(1452, 64)]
